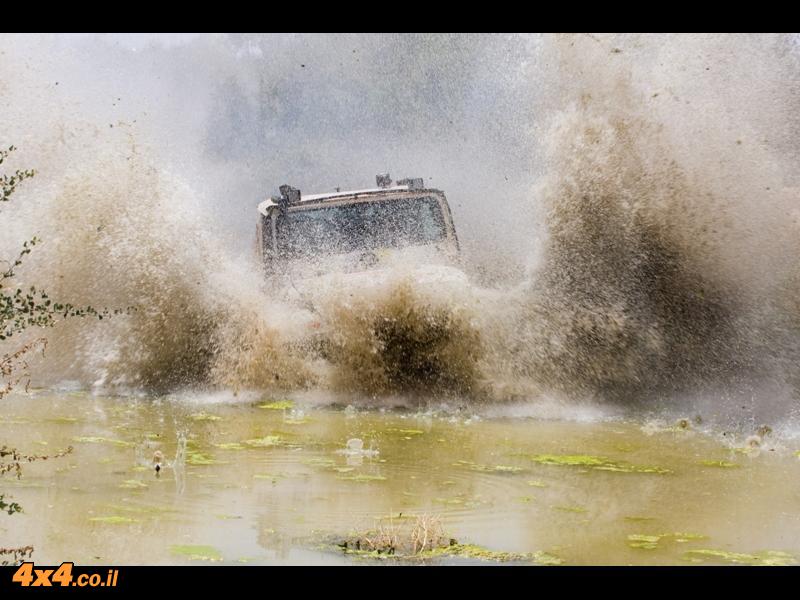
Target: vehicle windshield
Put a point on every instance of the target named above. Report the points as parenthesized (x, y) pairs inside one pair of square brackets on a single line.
[(359, 226)]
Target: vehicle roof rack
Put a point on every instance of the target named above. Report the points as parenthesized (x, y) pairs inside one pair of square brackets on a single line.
[(415, 183), (290, 195)]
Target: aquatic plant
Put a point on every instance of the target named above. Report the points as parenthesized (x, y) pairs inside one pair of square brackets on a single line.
[(406, 431), (597, 463), (277, 405), (773, 558), (203, 416), (398, 537), (488, 468), (362, 477), (650, 542), (229, 446), (720, 464), (102, 440), (265, 442), (133, 484), (198, 458), (472, 551), (208, 553), (422, 537), (114, 520)]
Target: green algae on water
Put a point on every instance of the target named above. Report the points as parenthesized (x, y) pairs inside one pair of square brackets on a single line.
[(473, 551), (208, 553), (113, 520), (198, 458), (770, 558), (4, 421), (646, 542), (265, 442), (277, 405), (102, 440), (720, 464), (472, 466), (624, 468), (598, 463), (688, 537), (62, 420), (319, 462), (457, 551), (229, 446), (449, 500), (493, 468), (406, 431), (132, 484), (362, 477), (203, 416), (142, 509), (580, 460), (545, 558), (650, 542)]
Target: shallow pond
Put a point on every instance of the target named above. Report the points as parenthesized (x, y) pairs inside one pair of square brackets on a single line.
[(264, 481)]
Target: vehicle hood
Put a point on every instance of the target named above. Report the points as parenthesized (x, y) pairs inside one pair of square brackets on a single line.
[(441, 279)]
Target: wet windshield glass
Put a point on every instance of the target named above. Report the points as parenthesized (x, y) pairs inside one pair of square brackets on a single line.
[(360, 226)]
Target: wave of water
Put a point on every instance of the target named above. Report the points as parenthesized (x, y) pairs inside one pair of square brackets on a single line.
[(658, 234)]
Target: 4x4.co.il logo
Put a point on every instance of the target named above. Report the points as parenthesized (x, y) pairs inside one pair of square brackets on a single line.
[(27, 576)]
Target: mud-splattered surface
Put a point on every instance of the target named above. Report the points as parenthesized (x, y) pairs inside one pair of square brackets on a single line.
[(264, 480)]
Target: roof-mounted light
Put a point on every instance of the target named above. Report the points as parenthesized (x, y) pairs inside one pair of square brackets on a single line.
[(289, 195), (383, 180), (413, 184)]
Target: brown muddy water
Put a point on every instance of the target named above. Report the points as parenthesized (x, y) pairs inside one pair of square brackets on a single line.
[(263, 480)]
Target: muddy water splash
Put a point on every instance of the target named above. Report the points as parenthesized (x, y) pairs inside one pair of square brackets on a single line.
[(620, 303), (403, 341), (660, 267), (125, 235), (665, 264)]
